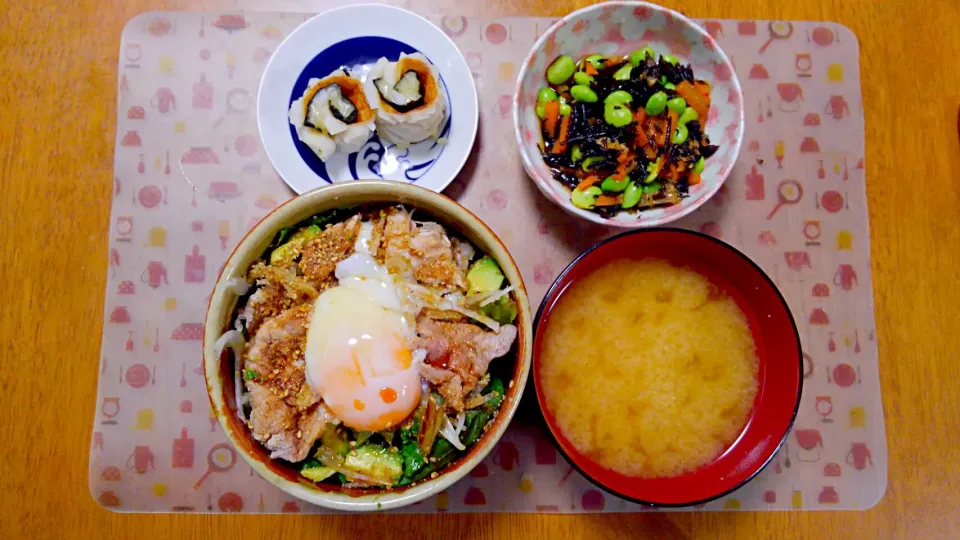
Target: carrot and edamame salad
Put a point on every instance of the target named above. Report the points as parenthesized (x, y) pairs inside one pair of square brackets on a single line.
[(624, 133)]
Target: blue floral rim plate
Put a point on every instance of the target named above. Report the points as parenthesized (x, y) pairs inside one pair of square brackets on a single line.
[(355, 37)]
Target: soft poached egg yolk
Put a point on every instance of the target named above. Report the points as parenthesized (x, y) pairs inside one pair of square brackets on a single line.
[(357, 357)]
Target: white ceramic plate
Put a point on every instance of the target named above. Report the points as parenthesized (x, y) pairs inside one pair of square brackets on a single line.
[(356, 36)]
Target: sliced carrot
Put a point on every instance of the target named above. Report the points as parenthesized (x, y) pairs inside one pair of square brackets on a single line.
[(694, 98), (587, 182), (560, 146), (553, 114), (609, 200), (703, 87), (693, 179), (659, 127), (589, 69)]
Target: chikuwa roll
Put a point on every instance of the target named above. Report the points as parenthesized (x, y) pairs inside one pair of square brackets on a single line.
[(334, 114), (411, 106)]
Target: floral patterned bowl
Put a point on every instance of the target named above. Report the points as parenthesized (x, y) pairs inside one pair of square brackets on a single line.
[(618, 28)]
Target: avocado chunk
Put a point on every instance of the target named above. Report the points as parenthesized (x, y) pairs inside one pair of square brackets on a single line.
[(314, 470), (335, 439), (285, 254), (503, 310), (376, 462), (484, 276)]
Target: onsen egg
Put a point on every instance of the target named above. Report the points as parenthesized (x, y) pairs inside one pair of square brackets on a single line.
[(358, 361)]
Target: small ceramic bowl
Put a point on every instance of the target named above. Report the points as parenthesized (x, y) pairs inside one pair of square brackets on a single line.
[(218, 370), (616, 29), (780, 372)]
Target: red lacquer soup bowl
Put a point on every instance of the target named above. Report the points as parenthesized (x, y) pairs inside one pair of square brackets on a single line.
[(778, 351)]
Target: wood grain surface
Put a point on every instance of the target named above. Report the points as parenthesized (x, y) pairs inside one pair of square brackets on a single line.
[(58, 75)]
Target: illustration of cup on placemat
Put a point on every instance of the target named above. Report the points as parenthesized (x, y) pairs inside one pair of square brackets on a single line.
[(810, 442), (141, 459), (157, 237), (811, 119), (155, 274), (832, 470)]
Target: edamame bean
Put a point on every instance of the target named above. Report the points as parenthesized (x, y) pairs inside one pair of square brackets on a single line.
[(680, 136), (631, 196), (698, 168), (596, 60), (656, 104), (583, 93), (613, 185), (541, 110), (677, 105), (688, 115), (582, 78), (561, 70), (617, 114), (546, 94), (576, 153), (565, 109), (585, 199), (623, 74), (618, 97), (587, 163), (653, 171), (652, 187), (638, 56), (670, 59)]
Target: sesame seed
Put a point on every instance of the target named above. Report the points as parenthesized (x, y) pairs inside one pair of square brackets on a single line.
[(353, 452), (299, 434), (276, 371), (433, 459), (510, 385), (433, 474), (353, 444)]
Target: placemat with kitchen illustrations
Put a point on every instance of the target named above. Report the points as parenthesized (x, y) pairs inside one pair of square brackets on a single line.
[(191, 177)]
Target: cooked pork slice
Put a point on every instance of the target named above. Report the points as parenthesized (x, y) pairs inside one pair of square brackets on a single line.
[(320, 255), (458, 355), (287, 416), (434, 262), (267, 302), (395, 246), (463, 252)]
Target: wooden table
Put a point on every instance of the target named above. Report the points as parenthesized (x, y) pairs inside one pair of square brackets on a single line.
[(58, 73)]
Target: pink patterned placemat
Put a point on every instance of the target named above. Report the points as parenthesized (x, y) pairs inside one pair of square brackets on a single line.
[(191, 178)]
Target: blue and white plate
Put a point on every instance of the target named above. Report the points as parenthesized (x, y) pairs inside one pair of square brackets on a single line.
[(355, 37)]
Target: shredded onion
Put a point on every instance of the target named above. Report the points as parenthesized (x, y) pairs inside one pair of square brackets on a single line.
[(238, 286), (426, 297), (486, 298), (452, 433), (235, 341)]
